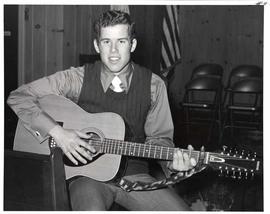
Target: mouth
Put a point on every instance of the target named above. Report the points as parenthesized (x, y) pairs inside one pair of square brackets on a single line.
[(114, 59)]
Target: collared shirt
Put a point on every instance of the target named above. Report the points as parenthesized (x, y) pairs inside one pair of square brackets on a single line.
[(158, 126), (125, 76)]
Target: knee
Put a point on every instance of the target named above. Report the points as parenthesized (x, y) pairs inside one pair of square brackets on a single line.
[(79, 187), (85, 194)]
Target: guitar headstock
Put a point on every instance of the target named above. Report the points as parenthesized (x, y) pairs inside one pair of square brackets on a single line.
[(234, 163)]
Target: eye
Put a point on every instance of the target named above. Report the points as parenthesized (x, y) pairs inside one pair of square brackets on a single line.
[(123, 41), (105, 42)]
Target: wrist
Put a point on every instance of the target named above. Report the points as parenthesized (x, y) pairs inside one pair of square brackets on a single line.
[(55, 131), (170, 168)]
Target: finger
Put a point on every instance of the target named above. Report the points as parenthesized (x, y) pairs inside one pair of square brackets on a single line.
[(179, 161), (71, 158), (78, 156), (87, 145), (84, 153), (193, 162), (185, 157), (190, 147), (82, 134)]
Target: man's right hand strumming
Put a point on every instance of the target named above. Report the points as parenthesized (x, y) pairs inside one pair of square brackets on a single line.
[(72, 144)]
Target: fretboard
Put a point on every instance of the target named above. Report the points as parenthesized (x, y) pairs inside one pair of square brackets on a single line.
[(111, 146)]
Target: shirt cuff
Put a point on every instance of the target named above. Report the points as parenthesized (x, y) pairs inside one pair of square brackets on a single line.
[(42, 124)]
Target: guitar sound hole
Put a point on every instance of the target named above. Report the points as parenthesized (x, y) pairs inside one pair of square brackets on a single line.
[(95, 141)]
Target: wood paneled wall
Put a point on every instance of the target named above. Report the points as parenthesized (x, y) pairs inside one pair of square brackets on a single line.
[(52, 37)]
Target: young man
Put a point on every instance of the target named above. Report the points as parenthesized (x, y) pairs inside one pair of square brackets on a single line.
[(140, 98)]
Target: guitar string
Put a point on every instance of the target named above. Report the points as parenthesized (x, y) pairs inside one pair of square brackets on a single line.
[(137, 146), (111, 147)]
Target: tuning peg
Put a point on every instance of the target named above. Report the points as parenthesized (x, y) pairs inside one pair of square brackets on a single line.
[(220, 173), (233, 174), (254, 155), (224, 148)]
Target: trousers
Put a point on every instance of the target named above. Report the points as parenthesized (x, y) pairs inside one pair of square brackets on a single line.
[(92, 195)]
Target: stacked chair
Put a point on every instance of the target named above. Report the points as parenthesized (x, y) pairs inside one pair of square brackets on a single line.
[(202, 99), (243, 99)]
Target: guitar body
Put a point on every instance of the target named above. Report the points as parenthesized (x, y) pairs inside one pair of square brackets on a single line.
[(71, 116)]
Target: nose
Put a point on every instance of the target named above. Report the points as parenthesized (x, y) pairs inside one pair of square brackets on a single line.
[(114, 47)]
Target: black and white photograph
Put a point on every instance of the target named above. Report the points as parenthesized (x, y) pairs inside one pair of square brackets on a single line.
[(144, 106)]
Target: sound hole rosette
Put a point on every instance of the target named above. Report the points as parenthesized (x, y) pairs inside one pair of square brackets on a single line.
[(97, 136)]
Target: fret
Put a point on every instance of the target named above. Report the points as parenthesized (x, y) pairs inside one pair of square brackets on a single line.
[(129, 148), (105, 147), (122, 143), (102, 147), (117, 145), (149, 152), (114, 148), (167, 153), (155, 151), (161, 152), (172, 152), (134, 145), (125, 148), (144, 149), (139, 149), (110, 147)]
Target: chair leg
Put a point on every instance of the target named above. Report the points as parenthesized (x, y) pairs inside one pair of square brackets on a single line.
[(231, 122), (187, 121)]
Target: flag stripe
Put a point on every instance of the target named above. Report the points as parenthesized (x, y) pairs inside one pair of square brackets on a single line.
[(166, 56), (168, 39), (166, 51), (170, 22), (176, 32), (170, 44)]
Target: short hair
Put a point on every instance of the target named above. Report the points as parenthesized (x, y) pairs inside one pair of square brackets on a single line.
[(112, 18)]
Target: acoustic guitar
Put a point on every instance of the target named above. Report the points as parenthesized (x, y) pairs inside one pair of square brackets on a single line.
[(108, 131)]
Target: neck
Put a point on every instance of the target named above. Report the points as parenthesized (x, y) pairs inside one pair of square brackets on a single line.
[(125, 69)]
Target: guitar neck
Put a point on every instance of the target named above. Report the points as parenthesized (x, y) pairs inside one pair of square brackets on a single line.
[(111, 146)]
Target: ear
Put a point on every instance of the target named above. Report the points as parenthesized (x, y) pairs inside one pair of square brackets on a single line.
[(133, 45), (96, 46)]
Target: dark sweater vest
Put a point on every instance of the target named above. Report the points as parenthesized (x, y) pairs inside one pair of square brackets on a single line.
[(133, 106)]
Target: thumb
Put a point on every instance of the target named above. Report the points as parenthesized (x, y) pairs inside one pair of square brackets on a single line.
[(83, 135)]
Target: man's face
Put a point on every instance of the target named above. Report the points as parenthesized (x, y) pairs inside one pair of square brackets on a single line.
[(115, 46)]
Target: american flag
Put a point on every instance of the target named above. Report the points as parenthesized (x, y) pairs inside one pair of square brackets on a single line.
[(170, 40)]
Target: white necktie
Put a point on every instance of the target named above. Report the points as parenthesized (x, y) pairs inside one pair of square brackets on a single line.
[(116, 84)]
